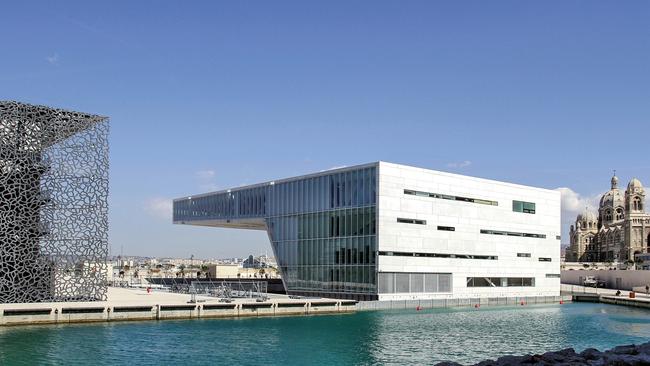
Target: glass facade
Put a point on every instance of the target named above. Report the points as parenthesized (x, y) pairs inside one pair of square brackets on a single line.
[(323, 228)]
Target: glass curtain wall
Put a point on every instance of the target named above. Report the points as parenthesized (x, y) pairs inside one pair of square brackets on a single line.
[(323, 229)]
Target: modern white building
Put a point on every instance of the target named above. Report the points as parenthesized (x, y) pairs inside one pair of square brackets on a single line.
[(384, 231)]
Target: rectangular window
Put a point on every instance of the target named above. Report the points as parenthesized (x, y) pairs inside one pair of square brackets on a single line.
[(544, 259), (439, 255), (512, 233), (500, 282), (409, 282), (411, 221), (386, 282), (446, 228), (552, 275), (417, 282), (523, 255), (444, 282), (525, 207), (430, 282), (451, 198), (402, 282), (558, 237)]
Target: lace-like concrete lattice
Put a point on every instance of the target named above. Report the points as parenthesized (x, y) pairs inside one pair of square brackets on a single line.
[(53, 204)]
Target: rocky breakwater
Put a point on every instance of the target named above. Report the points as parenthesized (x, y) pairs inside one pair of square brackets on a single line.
[(620, 356)]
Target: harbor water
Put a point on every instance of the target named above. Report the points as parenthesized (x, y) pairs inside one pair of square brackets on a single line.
[(463, 335)]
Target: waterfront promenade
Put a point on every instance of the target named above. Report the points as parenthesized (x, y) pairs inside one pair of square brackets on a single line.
[(608, 296), (137, 304)]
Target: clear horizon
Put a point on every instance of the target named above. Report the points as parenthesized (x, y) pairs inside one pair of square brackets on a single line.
[(217, 95)]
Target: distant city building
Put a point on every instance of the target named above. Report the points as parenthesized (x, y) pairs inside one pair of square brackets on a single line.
[(617, 232), (222, 270), (384, 231), (259, 262)]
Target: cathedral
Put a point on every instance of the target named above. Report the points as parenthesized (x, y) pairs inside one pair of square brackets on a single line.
[(619, 230)]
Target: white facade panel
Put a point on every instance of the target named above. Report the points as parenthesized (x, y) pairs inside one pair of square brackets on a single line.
[(467, 219)]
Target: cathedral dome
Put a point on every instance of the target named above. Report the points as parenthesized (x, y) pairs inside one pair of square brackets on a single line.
[(587, 216), (634, 186), (613, 198)]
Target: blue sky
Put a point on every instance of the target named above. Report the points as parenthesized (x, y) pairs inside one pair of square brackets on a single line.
[(209, 95)]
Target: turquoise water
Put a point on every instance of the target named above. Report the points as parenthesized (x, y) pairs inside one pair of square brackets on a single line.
[(366, 338)]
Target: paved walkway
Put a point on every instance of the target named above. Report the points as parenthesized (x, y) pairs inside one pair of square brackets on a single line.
[(577, 290), (119, 296)]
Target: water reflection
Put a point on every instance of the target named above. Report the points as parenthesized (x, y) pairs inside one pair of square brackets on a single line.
[(366, 338)]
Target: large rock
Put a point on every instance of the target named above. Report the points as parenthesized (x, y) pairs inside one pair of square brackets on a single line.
[(627, 355)]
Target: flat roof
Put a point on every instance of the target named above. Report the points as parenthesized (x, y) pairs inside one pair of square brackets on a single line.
[(57, 125), (283, 180), (355, 167)]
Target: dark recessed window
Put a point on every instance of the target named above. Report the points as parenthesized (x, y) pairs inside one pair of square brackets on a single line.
[(525, 207), (500, 282), (544, 259), (523, 255), (512, 233), (558, 237), (446, 228), (411, 221), (451, 198), (439, 255), (552, 275)]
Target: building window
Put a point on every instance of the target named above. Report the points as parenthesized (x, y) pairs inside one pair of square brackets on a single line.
[(523, 255), (411, 221), (439, 255), (407, 282), (500, 281), (541, 259), (525, 207), (512, 233), (446, 228), (552, 275), (451, 198), (558, 237), (638, 206), (619, 214)]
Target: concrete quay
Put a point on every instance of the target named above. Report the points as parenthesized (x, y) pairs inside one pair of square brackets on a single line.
[(460, 302), (607, 296), (135, 304), (639, 302)]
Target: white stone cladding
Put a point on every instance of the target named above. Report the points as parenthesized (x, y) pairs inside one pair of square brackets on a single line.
[(468, 219)]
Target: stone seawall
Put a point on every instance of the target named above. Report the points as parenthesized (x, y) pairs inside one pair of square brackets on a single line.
[(59, 313), (629, 355), (467, 302)]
